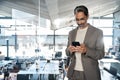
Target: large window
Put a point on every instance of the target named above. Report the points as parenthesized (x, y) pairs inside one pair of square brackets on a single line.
[(106, 25), (27, 32)]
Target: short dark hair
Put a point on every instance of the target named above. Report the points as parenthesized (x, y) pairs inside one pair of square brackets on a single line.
[(81, 8)]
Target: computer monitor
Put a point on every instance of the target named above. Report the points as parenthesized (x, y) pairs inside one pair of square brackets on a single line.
[(58, 54)]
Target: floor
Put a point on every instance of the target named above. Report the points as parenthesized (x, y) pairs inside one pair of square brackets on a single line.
[(104, 75)]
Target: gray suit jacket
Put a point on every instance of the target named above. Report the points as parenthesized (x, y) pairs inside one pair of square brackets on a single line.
[(95, 51)]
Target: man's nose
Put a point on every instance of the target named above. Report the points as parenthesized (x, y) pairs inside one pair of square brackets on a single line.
[(79, 22)]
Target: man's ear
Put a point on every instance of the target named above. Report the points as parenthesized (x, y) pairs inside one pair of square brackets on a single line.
[(88, 16)]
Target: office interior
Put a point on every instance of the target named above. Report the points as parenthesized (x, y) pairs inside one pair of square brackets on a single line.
[(34, 35)]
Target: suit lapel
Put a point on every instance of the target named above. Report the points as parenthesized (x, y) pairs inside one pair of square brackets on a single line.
[(74, 34), (88, 33)]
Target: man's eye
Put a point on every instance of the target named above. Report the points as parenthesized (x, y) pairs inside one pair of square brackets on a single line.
[(80, 19), (77, 19)]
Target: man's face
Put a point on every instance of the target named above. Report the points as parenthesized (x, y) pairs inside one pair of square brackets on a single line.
[(81, 19)]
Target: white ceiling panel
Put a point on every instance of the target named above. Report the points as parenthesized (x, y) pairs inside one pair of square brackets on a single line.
[(58, 9)]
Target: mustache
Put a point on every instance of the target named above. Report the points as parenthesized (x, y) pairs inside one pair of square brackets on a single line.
[(80, 25)]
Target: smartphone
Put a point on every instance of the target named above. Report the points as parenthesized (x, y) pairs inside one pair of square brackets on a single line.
[(75, 43)]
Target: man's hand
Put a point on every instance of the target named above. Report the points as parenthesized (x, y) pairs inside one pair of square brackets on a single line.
[(82, 48), (66, 69), (72, 49)]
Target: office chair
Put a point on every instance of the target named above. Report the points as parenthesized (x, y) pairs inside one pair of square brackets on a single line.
[(113, 71), (58, 54)]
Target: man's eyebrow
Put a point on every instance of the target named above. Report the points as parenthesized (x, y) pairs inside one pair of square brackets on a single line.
[(80, 18)]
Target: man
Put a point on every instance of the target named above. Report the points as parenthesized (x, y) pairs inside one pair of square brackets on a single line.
[(2, 57), (84, 58), (0, 52)]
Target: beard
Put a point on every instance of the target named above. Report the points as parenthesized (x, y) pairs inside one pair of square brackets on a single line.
[(81, 25)]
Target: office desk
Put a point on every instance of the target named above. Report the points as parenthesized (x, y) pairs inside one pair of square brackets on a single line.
[(106, 75), (112, 66), (45, 71), (4, 62)]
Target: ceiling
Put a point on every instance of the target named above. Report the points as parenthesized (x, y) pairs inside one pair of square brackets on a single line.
[(59, 12)]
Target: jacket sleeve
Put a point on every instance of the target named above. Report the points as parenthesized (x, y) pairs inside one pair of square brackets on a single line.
[(68, 44), (68, 54), (97, 52)]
